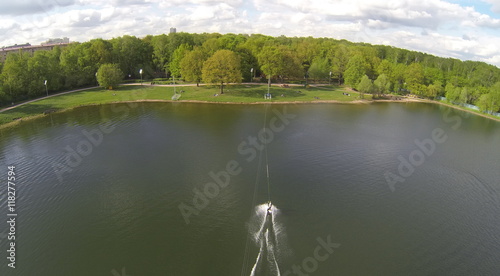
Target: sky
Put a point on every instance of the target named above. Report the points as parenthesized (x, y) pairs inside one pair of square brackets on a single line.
[(468, 30)]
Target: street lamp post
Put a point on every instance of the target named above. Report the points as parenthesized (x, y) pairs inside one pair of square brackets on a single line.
[(140, 72), (46, 89), (251, 75), (330, 79)]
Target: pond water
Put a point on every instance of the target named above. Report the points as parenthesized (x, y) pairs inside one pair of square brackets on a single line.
[(182, 189)]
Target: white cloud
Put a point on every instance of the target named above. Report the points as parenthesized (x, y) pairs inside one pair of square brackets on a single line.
[(495, 5), (21, 7), (433, 26), (219, 11)]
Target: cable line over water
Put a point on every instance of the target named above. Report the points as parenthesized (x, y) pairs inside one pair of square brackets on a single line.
[(264, 229)]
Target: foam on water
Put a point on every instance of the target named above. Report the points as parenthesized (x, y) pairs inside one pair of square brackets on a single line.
[(269, 234)]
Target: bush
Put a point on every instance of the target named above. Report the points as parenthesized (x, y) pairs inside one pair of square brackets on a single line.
[(4, 99), (109, 75)]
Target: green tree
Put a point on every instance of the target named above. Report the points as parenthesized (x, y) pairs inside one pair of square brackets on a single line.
[(210, 46), (192, 65), (175, 64), (305, 50), (370, 55), (71, 67), (440, 88), (132, 54), (339, 59), (382, 84), (223, 67), (387, 68), (453, 93), (432, 75), (356, 69), (293, 69), (495, 97), (433, 91), (44, 65), (490, 102), (248, 61), (15, 76), (320, 69), (231, 41), (109, 75), (175, 40), (365, 86), (414, 78), (4, 98), (398, 78), (79, 63), (161, 55), (465, 95), (272, 61)]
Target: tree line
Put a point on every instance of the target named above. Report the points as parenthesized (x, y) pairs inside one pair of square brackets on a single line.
[(218, 59)]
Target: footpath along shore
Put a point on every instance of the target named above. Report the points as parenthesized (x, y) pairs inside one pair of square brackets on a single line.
[(398, 99)]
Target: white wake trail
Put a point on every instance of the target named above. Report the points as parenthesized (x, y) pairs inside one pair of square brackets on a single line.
[(254, 268), (271, 257), (269, 235)]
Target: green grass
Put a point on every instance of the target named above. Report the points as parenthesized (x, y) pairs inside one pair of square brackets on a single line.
[(255, 93), (232, 94)]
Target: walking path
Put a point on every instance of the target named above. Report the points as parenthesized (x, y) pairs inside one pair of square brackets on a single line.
[(46, 97), (129, 84), (251, 83)]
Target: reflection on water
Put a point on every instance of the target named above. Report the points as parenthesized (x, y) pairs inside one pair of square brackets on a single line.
[(118, 207)]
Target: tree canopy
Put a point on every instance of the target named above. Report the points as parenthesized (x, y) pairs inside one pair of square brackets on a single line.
[(191, 65), (356, 69), (222, 67), (382, 84), (109, 75), (365, 85)]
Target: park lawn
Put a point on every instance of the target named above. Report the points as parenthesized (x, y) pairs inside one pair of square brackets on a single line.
[(232, 94), (255, 93), (82, 98)]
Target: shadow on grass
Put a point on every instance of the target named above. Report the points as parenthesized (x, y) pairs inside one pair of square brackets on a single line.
[(31, 109), (130, 87), (25, 110), (258, 92)]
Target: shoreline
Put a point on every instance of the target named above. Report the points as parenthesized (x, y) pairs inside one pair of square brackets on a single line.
[(461, 109), (280, 102), (403, 100)]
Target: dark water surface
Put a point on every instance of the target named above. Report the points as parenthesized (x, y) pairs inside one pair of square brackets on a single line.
[(98, 191)]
